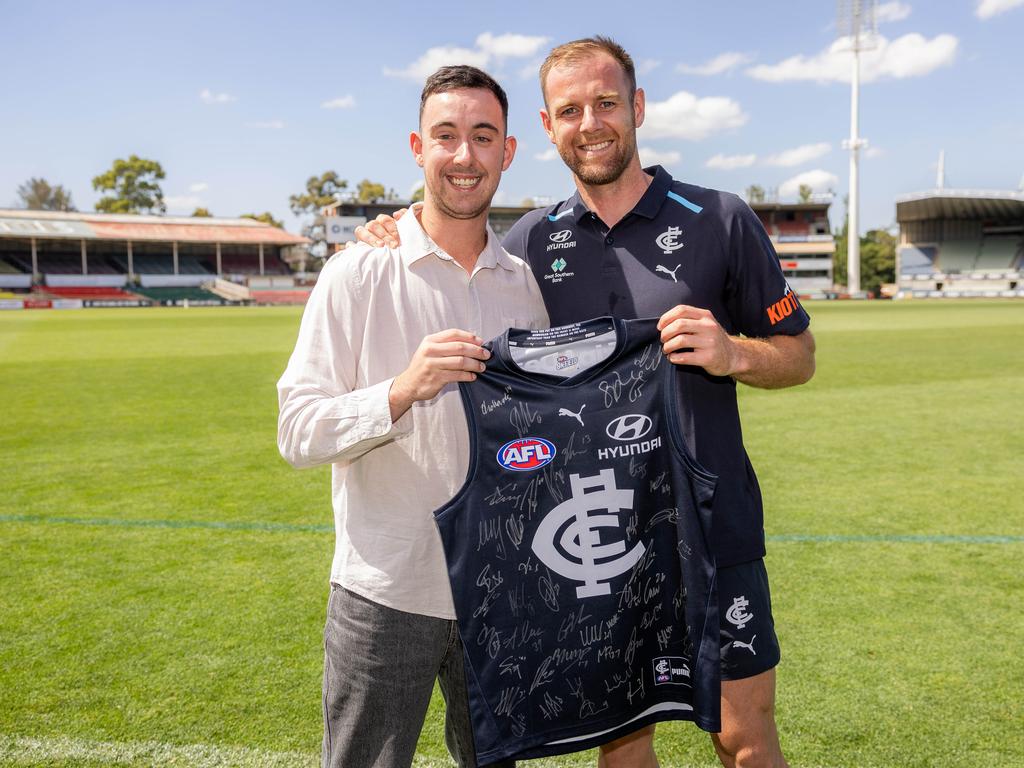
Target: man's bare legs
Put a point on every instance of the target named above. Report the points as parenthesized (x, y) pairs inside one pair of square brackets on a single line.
[(749, 738), (633, 751)]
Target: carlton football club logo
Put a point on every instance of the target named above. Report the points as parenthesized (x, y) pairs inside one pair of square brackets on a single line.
[(737, 613), (568, 538), (668, 240), (526, 454)]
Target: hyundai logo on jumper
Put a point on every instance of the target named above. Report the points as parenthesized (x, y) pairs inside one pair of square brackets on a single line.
[(630, 427), (526, 454), (561, 240)]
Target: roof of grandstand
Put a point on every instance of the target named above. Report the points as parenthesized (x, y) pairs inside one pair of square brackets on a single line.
[(104, 226), (992, 205)]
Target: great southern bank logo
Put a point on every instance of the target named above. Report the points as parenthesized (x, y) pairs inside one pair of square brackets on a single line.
[(526, 454)]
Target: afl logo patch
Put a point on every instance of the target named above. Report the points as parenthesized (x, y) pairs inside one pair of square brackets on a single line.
[(526, 454), (631, 427)]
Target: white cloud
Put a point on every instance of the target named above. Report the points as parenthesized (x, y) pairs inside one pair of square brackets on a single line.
[(209, 97), (437, 57), (547, 155), (199, 186), (647, 66), (716, 66), (501, 197), (730, 162), (892, 11), (909, 56), (684, 116), (818, 180), (986, 9), (488, 48), (510, 46), (342, 102), (649, 156), (799, 155), (873, 152), (187, 203), (273, 125)]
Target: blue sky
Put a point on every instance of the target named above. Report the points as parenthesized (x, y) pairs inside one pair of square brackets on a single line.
[(240, 103)]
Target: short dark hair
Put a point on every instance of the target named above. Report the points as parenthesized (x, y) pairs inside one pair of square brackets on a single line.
[(578, 50), (463, 76)]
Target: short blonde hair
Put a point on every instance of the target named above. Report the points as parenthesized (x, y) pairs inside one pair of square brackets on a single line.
[(577, 50)]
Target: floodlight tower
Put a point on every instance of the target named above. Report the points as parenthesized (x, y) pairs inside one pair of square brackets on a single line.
[(857, 23)]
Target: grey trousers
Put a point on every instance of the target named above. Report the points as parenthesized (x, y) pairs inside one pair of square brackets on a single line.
[(379, 670)]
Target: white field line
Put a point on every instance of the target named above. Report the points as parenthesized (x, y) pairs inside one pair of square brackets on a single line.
[(20, 750)]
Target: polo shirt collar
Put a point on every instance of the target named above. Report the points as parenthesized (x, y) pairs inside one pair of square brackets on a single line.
[(647, 206), (416, 244)]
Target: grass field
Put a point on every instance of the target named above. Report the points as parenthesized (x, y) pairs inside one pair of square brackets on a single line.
[(163, 572)]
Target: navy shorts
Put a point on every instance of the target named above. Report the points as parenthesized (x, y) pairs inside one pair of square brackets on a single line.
[(749, 644)]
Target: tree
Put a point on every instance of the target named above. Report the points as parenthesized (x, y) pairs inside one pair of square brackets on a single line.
[(417, 195), (755, 193), (135, 187), (320, 191), (266, 217), (877, 257), (38, 195), (805, 192), (202, 213), (370, 192)]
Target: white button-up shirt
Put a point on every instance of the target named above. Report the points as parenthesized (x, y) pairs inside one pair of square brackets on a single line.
[(368, 313)]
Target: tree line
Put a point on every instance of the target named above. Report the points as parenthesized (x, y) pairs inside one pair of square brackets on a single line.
[(132, 185)]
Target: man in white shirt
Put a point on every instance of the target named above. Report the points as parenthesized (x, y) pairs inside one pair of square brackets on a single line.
[(371, 388)]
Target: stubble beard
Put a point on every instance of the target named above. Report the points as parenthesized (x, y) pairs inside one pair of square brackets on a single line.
[(604, 173), (439, 200)]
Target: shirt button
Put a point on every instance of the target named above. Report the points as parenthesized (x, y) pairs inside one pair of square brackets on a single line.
[(609, 239)]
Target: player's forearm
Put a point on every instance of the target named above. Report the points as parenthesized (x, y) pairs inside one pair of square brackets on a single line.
[(775, 362)]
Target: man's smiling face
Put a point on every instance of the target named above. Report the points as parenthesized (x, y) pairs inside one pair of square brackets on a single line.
[(591, 119), (463, 150)]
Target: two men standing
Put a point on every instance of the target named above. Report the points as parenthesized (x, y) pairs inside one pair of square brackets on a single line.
[(645, 245)]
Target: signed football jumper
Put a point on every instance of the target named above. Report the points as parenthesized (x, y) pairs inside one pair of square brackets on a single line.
[(579, 548)]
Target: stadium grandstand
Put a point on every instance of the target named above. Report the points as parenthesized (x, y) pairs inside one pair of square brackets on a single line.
[(93, 259), (960, 243), (803, 241), (799, 231)]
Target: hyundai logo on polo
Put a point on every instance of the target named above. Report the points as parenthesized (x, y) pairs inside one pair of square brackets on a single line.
[(633, 426), (560, 237), (526, 454)]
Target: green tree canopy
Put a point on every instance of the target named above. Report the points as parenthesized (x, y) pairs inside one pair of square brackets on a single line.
[(202, 213), (370, 191), (134, 183), (266, 217), (417, 195), (319, 192), (877, 257), (755, 193), (805, 192), (38, 195)]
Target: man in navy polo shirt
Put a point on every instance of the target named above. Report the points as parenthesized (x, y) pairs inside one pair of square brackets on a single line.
[(633, 242)]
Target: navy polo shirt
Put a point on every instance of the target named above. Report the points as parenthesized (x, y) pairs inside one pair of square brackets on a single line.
[(681, 244)]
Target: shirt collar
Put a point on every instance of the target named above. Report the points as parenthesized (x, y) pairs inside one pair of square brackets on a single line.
[(416, 244), (647, 206)]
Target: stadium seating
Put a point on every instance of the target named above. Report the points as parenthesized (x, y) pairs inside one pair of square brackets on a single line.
[(917, 260), (6, 268), (296, 296), (998, 252), (178, 296), (93, 292), (957, 256)]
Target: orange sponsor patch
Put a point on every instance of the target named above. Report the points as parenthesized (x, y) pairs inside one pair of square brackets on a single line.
[(782, 308)]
